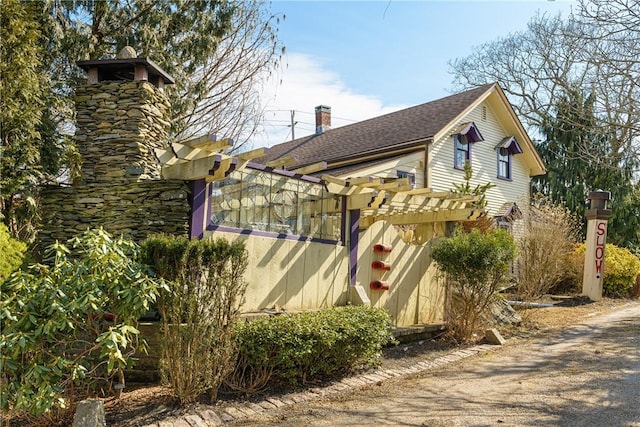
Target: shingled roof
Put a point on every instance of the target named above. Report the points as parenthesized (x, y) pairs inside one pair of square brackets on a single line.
[(405, 128)]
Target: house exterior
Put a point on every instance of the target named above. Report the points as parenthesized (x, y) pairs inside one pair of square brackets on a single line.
[(349, 214), (430, 144), (344, 215)]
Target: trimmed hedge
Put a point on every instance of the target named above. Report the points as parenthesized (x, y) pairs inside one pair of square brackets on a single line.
[(300, 347)]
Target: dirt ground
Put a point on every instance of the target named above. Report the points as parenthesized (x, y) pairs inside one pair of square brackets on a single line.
[(146, 404), (584, 375), (141, 405)]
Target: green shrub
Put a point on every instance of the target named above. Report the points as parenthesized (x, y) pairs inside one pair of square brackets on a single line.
[(12, 251), (300, 347), (199, 309), (621, 269), (475, 264), (69, 326)]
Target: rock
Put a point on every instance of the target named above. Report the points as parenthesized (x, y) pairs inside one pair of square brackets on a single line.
[(127, 52), (493, 337), (89, 413), (501, 313)]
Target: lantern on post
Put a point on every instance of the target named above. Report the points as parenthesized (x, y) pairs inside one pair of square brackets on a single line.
[(597, 216)]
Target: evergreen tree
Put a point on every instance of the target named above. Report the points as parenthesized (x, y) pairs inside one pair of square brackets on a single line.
[(580, 158), (29, 150), (217, 51)]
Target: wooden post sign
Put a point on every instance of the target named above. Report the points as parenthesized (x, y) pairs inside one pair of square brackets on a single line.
[(597, 217)]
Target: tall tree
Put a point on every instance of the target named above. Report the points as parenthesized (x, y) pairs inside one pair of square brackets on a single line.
[(217, 50), (546, 70), (595, 49), (570, 175), (29, 150)]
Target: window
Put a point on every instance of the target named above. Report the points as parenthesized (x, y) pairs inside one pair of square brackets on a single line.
[(261, 201), (504, 163), (463, 136), (411, 176), (462, 151), (506, 149)]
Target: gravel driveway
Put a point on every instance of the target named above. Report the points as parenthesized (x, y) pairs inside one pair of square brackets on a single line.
[(588, 375)]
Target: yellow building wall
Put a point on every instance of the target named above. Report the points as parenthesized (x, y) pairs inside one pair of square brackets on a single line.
[(415, 295), (296, 275), (302, 275)]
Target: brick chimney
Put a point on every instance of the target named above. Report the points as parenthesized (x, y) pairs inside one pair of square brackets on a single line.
[(323, 119)]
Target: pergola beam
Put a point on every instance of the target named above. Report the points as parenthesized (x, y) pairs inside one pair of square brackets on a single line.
[(314, 167), (209, 143), (282, 161)]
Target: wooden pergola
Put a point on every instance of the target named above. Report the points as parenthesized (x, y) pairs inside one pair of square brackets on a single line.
[(377, 199)]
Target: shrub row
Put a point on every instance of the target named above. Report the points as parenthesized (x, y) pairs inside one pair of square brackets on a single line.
[(297, 348), (621, 269)]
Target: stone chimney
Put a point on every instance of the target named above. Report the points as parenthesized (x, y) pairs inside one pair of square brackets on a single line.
[(122, 114), (323, 119)]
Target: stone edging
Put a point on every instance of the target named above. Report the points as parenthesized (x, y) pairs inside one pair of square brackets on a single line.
[(210, 418)]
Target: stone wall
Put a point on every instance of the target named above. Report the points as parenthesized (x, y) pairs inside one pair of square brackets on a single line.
[(134, 209), (118, 124)]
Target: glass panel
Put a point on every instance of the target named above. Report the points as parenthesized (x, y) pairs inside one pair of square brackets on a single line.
[(225, 201), (309, 198), (284, 205), (331, 213), (503, 163), (263, 201), (256, 189)]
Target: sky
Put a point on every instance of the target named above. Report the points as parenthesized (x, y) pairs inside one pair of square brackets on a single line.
[(368, 58)]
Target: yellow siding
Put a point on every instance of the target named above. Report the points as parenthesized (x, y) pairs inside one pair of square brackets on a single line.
[(308, 275), (293, 274), (484, 163), (415, 296)]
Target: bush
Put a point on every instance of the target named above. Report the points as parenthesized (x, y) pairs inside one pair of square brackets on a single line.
[(550, 235), (621, 269), (199, 309), (475, 264), (12, 251), (298, 348), (68, 327)]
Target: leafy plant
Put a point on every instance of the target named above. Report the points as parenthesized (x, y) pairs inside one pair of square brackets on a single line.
[(467, 189), (12, 251), (69, 326), (621, 269), (475, 263), (199, 308), (300, 347)]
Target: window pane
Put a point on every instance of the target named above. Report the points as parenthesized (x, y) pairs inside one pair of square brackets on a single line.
[(284, 205), (255, 201)]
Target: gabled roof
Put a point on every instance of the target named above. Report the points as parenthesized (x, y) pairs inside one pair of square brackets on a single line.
[(390, 134)]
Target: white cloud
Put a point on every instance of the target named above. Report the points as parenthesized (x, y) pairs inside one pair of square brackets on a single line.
[(303, 84)]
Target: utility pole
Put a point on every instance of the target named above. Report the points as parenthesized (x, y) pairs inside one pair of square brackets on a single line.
[(293, 125)]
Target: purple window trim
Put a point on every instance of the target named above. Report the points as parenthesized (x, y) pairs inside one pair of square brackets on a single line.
[(343, 221), (511, 144), (354, 234), (273, 235), (198, 208)]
